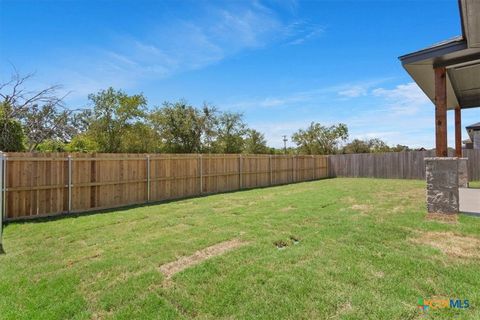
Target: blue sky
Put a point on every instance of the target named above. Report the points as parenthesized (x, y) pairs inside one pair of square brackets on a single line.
[(282, 63)]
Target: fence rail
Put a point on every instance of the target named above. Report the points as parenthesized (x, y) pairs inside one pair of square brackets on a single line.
[(44, 184), (394, 165)]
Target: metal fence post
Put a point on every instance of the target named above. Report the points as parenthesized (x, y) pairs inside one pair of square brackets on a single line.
[(270, 168), (2, 198), (148, 178), (4, 183), (294, 168), (69, 183), (240, 171), (200, 163), (313, 169)]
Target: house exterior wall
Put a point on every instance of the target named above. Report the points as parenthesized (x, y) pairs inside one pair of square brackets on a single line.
[(476, 140)]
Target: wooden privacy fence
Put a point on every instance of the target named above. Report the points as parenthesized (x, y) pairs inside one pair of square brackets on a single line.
[(44, 184), (394, 165)]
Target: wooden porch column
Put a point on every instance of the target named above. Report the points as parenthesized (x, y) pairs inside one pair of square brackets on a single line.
[(441, 112), (458, 132)]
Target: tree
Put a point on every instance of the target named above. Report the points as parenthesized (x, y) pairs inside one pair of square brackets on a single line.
[(82, 143), (378, 145), (47, 123), (255, 142), (373, 145), (357, 146), (209, 124), (114, 113), (140, 138), (231, 132), (11, 134), (318, 139), (400, 148), (36, 111), (180, 127), (51, 145)]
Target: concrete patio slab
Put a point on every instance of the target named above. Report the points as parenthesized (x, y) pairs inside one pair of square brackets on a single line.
[(469, 200)]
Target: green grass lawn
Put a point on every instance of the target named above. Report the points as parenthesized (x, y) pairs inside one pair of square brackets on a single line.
[(366, 251), (474, 184)]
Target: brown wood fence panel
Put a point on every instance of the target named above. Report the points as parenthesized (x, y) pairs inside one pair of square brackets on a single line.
[(44, 184), (394, 165)]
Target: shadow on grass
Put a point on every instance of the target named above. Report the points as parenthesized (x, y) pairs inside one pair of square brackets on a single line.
[(74, 215)]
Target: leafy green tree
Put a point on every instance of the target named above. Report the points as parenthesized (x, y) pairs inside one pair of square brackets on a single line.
[(255, 142), (114, 113), (318, 139), (184, 128), (11, 133), (140, 138), (230, 134), (209, 120), (374, 145), (52, 145), (82, 143), (180, 127), (377, 145), (47, 123), (357, 146), (400, 148)]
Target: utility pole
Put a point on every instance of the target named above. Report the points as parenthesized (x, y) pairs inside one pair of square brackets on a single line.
[(285, 144)]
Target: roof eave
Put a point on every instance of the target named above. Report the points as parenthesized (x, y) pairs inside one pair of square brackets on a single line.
[(435, 51)]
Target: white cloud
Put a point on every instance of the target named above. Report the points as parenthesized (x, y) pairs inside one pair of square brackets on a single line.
[(404, 99), (354, 91), (381, 113), (177, 45), (316, 95), (300, 32)]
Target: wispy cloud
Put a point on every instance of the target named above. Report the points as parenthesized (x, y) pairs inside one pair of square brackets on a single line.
[(404, 99), (360, 105), (178, 45), (354, 91), (300, 32), (326, 93)]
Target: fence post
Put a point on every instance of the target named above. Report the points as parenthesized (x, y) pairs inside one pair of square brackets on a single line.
[(294, 168), (200, 164), (313, 169), (270, 168), (2, 197), (69, 158), (148, 178), (240, 171)]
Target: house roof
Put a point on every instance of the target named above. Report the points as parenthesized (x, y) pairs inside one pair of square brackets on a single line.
[(459, 55), (473, 126)]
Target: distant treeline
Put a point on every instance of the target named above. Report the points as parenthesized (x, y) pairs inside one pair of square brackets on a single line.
[(118, 122)]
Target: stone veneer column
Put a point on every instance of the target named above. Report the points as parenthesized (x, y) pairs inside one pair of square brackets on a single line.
[(444, 176)]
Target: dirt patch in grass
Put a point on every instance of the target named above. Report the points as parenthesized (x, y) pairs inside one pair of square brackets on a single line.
[(451, 244), (199, 256), (446, 218), (363, 208), (287, 209), (280, 244)]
